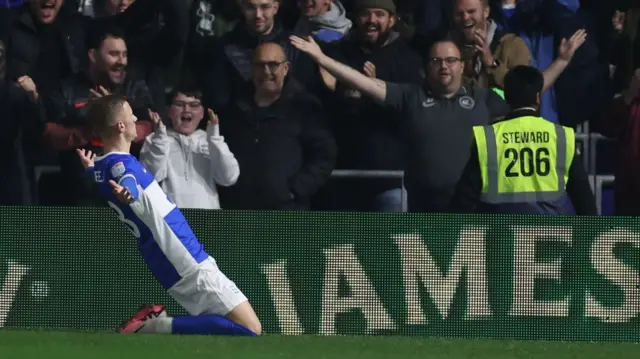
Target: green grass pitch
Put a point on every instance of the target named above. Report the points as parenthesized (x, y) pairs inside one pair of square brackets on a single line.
[(85, 345)]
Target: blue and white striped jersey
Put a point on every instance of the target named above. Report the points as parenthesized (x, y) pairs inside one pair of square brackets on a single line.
[(165, 240)]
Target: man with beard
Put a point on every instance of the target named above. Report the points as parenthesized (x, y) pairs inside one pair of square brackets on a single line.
[(366, 139), (435, 120), (188, 162), (67, 127), (489, 53), (48, 41), (230, 71)]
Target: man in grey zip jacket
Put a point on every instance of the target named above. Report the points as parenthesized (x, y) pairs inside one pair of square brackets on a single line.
[(188, 162)]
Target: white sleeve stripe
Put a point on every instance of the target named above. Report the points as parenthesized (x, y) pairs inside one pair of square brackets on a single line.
[(158, 199)]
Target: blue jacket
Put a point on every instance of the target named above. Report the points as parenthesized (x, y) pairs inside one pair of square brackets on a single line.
[(542, 24), (539, 35), (11, 3)]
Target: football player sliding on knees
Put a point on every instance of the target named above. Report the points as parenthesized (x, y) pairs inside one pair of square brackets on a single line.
[(173, 254)]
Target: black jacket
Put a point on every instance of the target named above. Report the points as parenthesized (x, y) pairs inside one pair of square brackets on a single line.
[(25, 46), (21, 123), (230, 72), (285, 151), (70, 29), (469, 189), (366, 132), (66, 128)]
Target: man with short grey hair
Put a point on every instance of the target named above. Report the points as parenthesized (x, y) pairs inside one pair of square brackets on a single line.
[(277, 132)]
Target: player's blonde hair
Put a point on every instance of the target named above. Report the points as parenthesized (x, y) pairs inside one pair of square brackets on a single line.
[(103, 114)]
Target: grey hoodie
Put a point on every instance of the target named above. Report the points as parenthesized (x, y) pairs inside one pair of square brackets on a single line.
[(330, 26)]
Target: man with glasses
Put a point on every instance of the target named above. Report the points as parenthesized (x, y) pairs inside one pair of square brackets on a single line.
[(230, 66), (278, 133), (435, 119), (188, 162)]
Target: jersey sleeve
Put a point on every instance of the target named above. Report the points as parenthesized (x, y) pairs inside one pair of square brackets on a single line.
[(124, 171)]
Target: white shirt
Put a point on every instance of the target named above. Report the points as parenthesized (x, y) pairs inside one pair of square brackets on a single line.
[(188, 168)]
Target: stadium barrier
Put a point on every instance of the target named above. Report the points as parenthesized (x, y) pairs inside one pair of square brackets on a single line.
[(518, 277)]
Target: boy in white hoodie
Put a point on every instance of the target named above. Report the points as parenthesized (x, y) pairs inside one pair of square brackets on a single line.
[(188, 162)]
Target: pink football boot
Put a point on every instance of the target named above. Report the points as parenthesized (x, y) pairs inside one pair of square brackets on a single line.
[(136, 322)]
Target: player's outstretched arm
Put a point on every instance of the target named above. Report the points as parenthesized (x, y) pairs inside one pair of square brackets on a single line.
[(374, 88)]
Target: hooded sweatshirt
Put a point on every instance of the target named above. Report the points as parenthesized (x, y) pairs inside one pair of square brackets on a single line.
[(327, 27), (190, 167)]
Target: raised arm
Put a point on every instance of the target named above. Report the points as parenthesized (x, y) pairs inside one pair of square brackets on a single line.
[(565, 53), (225, 169), (374, 88), (155, 149)]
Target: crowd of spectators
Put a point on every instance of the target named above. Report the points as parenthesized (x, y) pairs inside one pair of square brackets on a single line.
[(232, 114)]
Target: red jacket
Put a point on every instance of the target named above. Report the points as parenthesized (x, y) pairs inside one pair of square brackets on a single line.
[(622, 122)]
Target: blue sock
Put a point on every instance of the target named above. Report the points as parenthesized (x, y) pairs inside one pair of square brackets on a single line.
[(208, 325)]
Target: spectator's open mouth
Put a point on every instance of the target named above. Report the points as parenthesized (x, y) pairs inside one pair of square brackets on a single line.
[(372, 30), (48, 9), (118, 72), (48, 5), (186, 118), (469, 27)]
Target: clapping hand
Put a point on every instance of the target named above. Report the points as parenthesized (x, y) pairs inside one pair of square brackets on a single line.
[(27, 84), (155, 118), (213, 118), (370, 69), (96, 94)]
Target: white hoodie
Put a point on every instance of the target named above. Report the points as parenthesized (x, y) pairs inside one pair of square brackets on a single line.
[(188, 168)]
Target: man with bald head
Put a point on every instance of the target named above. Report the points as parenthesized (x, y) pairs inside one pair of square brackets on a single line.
[(269, 84), (229, 71), (277, 132), (435, 119)]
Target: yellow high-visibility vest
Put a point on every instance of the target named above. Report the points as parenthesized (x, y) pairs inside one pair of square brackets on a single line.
[(498, 91), (524, 160)]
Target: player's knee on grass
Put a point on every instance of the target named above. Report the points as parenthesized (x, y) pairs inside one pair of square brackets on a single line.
[(244, 315)]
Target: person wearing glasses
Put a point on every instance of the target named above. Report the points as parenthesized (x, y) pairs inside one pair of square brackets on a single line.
[(189, 163), (227, 69), (278, 133), (435, 119)]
